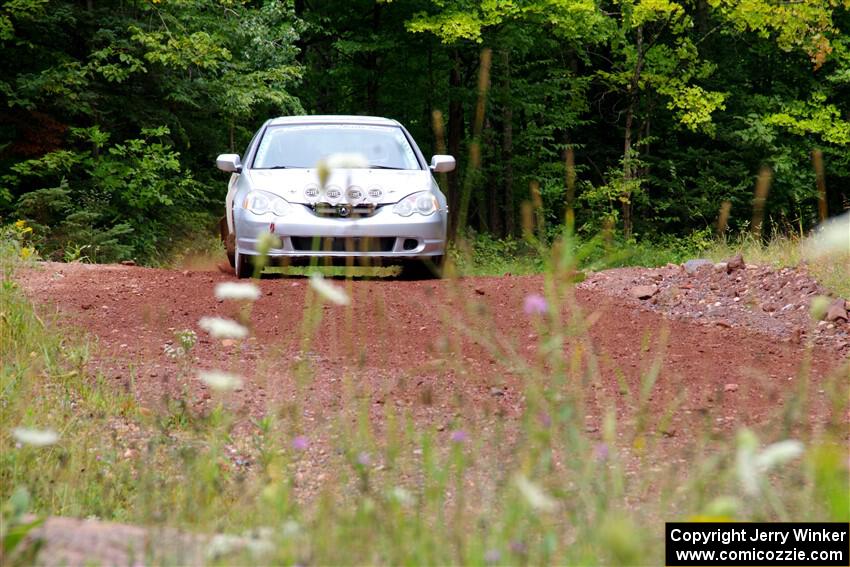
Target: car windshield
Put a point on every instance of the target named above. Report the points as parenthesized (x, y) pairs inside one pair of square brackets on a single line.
[(304, 145)]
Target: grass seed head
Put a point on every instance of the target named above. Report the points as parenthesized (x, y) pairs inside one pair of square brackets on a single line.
[(328, 291), (221, 328), (35, 437), (220, 381), (237, 291)]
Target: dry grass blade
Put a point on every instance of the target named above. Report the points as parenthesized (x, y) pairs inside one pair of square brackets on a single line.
[(760, 199)]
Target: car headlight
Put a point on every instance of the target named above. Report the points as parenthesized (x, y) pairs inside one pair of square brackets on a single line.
[(260, 202), (424, 203)]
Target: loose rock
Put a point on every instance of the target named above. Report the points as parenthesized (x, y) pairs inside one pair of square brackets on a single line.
[(735, 263), (691, 266), (644, 291), (837, 311)]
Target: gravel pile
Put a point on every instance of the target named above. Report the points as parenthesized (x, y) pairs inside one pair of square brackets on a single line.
[(777, 302)]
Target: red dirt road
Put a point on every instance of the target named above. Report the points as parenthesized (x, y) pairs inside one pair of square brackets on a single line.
[(402, 345), (421, 349)]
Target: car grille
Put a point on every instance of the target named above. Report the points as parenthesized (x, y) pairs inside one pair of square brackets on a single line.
[(344, 210), (342, 244)]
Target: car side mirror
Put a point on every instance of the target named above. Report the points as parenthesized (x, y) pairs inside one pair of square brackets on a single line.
[(229, 163), (442, 164)]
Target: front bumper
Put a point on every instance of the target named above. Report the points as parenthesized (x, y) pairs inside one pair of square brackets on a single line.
[(304, 234)]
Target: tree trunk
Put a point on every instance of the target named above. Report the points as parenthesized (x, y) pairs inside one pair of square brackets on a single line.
[(455, 133), (491, 195), (429, 102), (629, 173), (372, 66), (702, 17), (508, 147), (570, 160)]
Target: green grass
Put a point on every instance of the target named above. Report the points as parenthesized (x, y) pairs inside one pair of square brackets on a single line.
[(555, 494)]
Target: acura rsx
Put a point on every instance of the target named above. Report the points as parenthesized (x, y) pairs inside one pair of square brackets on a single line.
[(334, 189)]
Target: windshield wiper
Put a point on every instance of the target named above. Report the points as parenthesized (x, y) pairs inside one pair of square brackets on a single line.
[(277, 167), (383, 167)]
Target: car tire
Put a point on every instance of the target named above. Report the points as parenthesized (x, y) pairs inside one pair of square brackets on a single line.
[(428, 269), (230, 247), (229, 241), (243, 265)]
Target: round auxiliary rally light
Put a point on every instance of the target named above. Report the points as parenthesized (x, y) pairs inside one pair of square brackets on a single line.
[(354, 194), (375, 193), (333, 193), (311, 192), (343, 210)]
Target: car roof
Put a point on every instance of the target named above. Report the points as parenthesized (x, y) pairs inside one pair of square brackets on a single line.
[(334, 119)]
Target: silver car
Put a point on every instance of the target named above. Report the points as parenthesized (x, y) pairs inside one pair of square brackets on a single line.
[(337, 188)]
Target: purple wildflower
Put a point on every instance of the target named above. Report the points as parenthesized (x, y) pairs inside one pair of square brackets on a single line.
[(545, 419), (535, 304), (518, 547), (459, 436), (492, 556), (300, 443), (364, 459), (600, 452)]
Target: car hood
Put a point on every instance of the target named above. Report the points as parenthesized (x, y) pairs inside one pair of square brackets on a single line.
[(376, 186)]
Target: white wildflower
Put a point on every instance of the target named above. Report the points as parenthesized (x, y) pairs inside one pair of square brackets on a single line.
[(751, 464), (535, 495), (221, 545), (187, 339), (291, 528), (402, 496), (832, 237), (221, 328), (339, 161), (221, 381), (172, 351), (328, 290), (779, 454), (237, 291), (257, 543), (35, 437), (347, 161), (745, 461)]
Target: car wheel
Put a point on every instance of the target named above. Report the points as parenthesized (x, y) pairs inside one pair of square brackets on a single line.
[(429, 268), (243, 266), (229, 240), (230, 247)]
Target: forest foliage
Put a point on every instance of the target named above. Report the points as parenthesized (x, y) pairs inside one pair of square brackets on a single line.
[(113, 112)]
